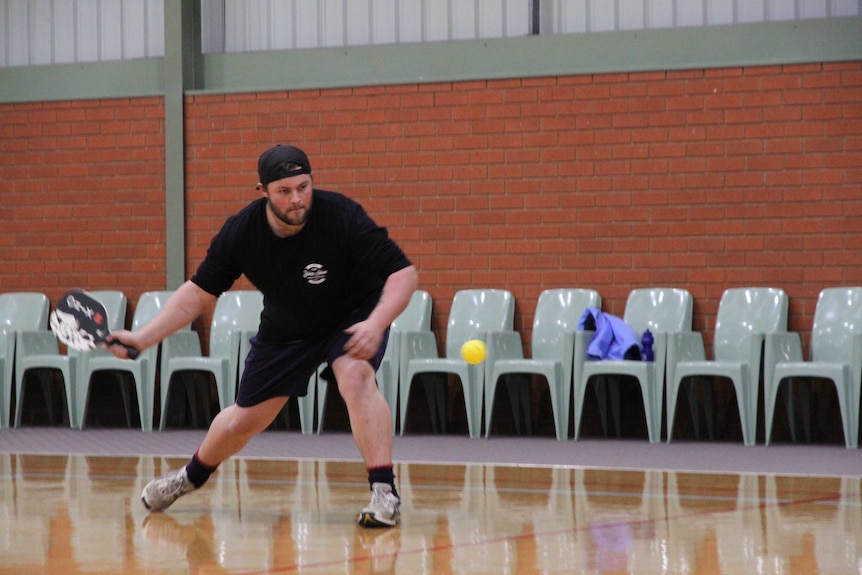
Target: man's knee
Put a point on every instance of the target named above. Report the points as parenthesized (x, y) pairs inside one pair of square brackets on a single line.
[(355, 378), (247, 420)]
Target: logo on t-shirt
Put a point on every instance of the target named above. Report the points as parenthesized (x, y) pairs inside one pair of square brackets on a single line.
[(314, 274)]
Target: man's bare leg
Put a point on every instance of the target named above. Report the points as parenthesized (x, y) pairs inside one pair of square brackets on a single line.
[(230, 431), (370, 419), (234, 427), (371, 423)]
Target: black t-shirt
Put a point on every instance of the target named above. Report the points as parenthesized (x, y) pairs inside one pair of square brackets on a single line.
[(310, 281)]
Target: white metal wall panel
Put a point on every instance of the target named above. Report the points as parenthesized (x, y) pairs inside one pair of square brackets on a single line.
[(845, 7), (602, 16), (39, 31), (411, 22), (358, 18), (307, 29), (87, 31), (751, 11), (518, 18), (781, 10), (134, 26), (257, 30), (110, 22), (17, 43), (490, 19), (435, 20), (462, 18), (213, 27), (690, 14), (64, 36), (632, 15), (281, 27), (659, 13), (580, 16), (155, 39), (384, 18), (36, 32), (813, 9), (720, 12)]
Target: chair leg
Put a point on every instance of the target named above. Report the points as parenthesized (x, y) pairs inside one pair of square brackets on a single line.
[(600, 385), (127, 397), (519, 398), (698, 390), (802, 388), (608, 393), (435, 394), (46, 380), (614, 392)]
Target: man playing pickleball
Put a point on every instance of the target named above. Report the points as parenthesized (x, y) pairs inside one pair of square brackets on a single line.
[(332, 281)]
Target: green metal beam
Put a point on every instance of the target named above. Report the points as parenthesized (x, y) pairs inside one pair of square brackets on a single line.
[(182, 55), (85, 81)]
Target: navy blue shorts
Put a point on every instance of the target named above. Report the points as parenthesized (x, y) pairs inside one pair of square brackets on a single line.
[(284, 369)]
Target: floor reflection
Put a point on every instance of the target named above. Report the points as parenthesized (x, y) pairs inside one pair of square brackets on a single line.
[(76, 515)]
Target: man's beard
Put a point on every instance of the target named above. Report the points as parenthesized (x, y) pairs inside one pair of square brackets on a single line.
[(291, 217)]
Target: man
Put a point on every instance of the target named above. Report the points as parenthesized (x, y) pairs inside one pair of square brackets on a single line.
[(332, 281)]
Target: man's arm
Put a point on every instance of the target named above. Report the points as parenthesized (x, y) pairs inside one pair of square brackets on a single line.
[(182, 308), (366, 335)]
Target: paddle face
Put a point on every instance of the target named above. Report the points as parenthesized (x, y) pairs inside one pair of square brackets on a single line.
[(81, 322)]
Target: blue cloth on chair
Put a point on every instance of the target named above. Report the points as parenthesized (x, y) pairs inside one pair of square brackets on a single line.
[(614, 339)]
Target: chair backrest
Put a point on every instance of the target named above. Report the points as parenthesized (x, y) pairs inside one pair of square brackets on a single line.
[(115, 304), (235, 311), (19, 311), (475, 312), (24, 311), (416, 316), (837, 317), (659, 310), (149, 304), (745, 311), (557, 313)]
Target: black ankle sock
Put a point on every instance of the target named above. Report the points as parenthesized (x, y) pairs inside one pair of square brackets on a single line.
[(197, 472), (382, 475)]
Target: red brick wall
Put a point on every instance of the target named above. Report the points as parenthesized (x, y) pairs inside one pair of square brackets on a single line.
[(81, 196), (698, 179)]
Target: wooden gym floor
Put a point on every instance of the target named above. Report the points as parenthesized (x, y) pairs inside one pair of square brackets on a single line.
[(287, 504)]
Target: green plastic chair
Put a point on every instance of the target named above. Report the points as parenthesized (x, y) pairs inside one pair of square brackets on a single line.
[(835, 355), (745, 317), (663, 311), (141, 370), (416, 317), (20, 312), (475, 314), (39, 353), (236, 312), (558, 312)]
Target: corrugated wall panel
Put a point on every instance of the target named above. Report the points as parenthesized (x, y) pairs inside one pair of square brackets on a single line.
[(38, 32), (64, 36), (87, 30), (62, 31)]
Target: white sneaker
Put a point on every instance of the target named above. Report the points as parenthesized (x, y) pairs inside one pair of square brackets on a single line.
[(162, 491), (384, 509)]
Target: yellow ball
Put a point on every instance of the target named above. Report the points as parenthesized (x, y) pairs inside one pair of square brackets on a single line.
[(473, 351)]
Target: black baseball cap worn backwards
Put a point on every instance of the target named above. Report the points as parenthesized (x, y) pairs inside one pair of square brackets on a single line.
[(273, 163)]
